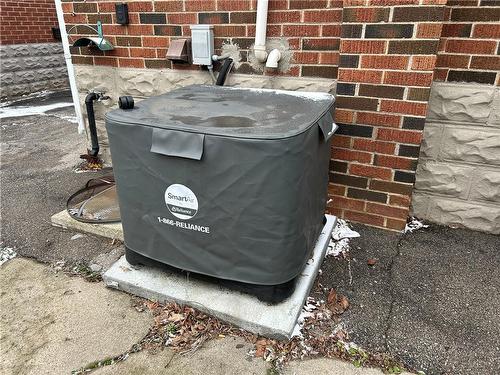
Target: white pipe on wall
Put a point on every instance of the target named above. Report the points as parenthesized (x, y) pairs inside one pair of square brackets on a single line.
[(69, 66), (260, 31)]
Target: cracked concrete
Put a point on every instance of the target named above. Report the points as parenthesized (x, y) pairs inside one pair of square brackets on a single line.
[(431, 300), (52, 324)]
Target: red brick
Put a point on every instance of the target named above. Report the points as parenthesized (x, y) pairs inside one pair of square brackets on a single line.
[(365, 218), (490, 31), (114, 30), (382, 209), (309, 4), (301, 30), (401, 136), (323, 44), (168, 6), (140, 30), (330, 30), (407, 108), (391, 187), (278, 4), (195, 5), (350, 155), (321, 16), (456, 29), (344, 116), (429, 30), (182, 18), (341, 141), (143, 52), (331, 58), (440, 74), (355, 75), (229, 30), (393, 2), (408, 78), (272, 30), (347, 203), (283, 17), (394, 162), (379, 119), (395, 224), (233, 5), (384, 62), (362, 46), (399, 200), (365, 15), (423, 62), (131, 63), (140, 6), (155, 41), (452, 61), (336, 189), (66, 7), (118, 52), (370, 171), (306, 57), (471, 46), (374, 146), (485, 62), (109, 61)]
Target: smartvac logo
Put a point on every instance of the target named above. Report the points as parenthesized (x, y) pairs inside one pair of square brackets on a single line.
[(181, 201)]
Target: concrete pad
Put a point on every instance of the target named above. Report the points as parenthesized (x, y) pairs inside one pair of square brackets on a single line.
[(52, 324), (243, 310), (111, 230)]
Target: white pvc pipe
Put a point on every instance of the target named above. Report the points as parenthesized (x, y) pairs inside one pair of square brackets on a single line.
[(69, 66), (260, 31), (273, 58)]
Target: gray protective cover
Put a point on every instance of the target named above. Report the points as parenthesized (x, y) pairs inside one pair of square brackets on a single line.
[(227, 182)]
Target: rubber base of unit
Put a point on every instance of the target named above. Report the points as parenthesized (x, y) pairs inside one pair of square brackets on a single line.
[(267, 293)]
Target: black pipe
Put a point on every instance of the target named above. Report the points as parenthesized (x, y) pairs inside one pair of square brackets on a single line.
[(224, 71), (89, 103)]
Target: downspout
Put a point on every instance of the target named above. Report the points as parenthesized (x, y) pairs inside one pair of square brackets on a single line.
[(259, 48), (69, 66)]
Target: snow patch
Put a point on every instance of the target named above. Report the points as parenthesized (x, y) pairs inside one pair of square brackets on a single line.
[(414, 224), (6, 253), (315, 96), (339, 241), (20, 111), (306, 312)]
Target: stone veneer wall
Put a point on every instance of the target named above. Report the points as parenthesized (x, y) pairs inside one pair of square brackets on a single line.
[(28, 68), (458, 175), (143, 83)]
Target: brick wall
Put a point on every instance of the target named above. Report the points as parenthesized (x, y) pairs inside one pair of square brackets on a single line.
[(312, 29), (387, 55), (383, 53), (28, 21), (469, 46)]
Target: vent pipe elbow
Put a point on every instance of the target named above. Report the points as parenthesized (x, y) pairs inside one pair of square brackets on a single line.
[(273, 58)]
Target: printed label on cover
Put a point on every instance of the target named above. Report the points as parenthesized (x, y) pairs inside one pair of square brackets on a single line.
[(181, 201)]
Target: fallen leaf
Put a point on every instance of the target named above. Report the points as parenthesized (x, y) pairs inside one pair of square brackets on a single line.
[(175, 317), (371, 261), (332, 296), (344, 302)]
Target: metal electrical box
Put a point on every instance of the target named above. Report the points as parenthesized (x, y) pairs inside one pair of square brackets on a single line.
[(202, 44)]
